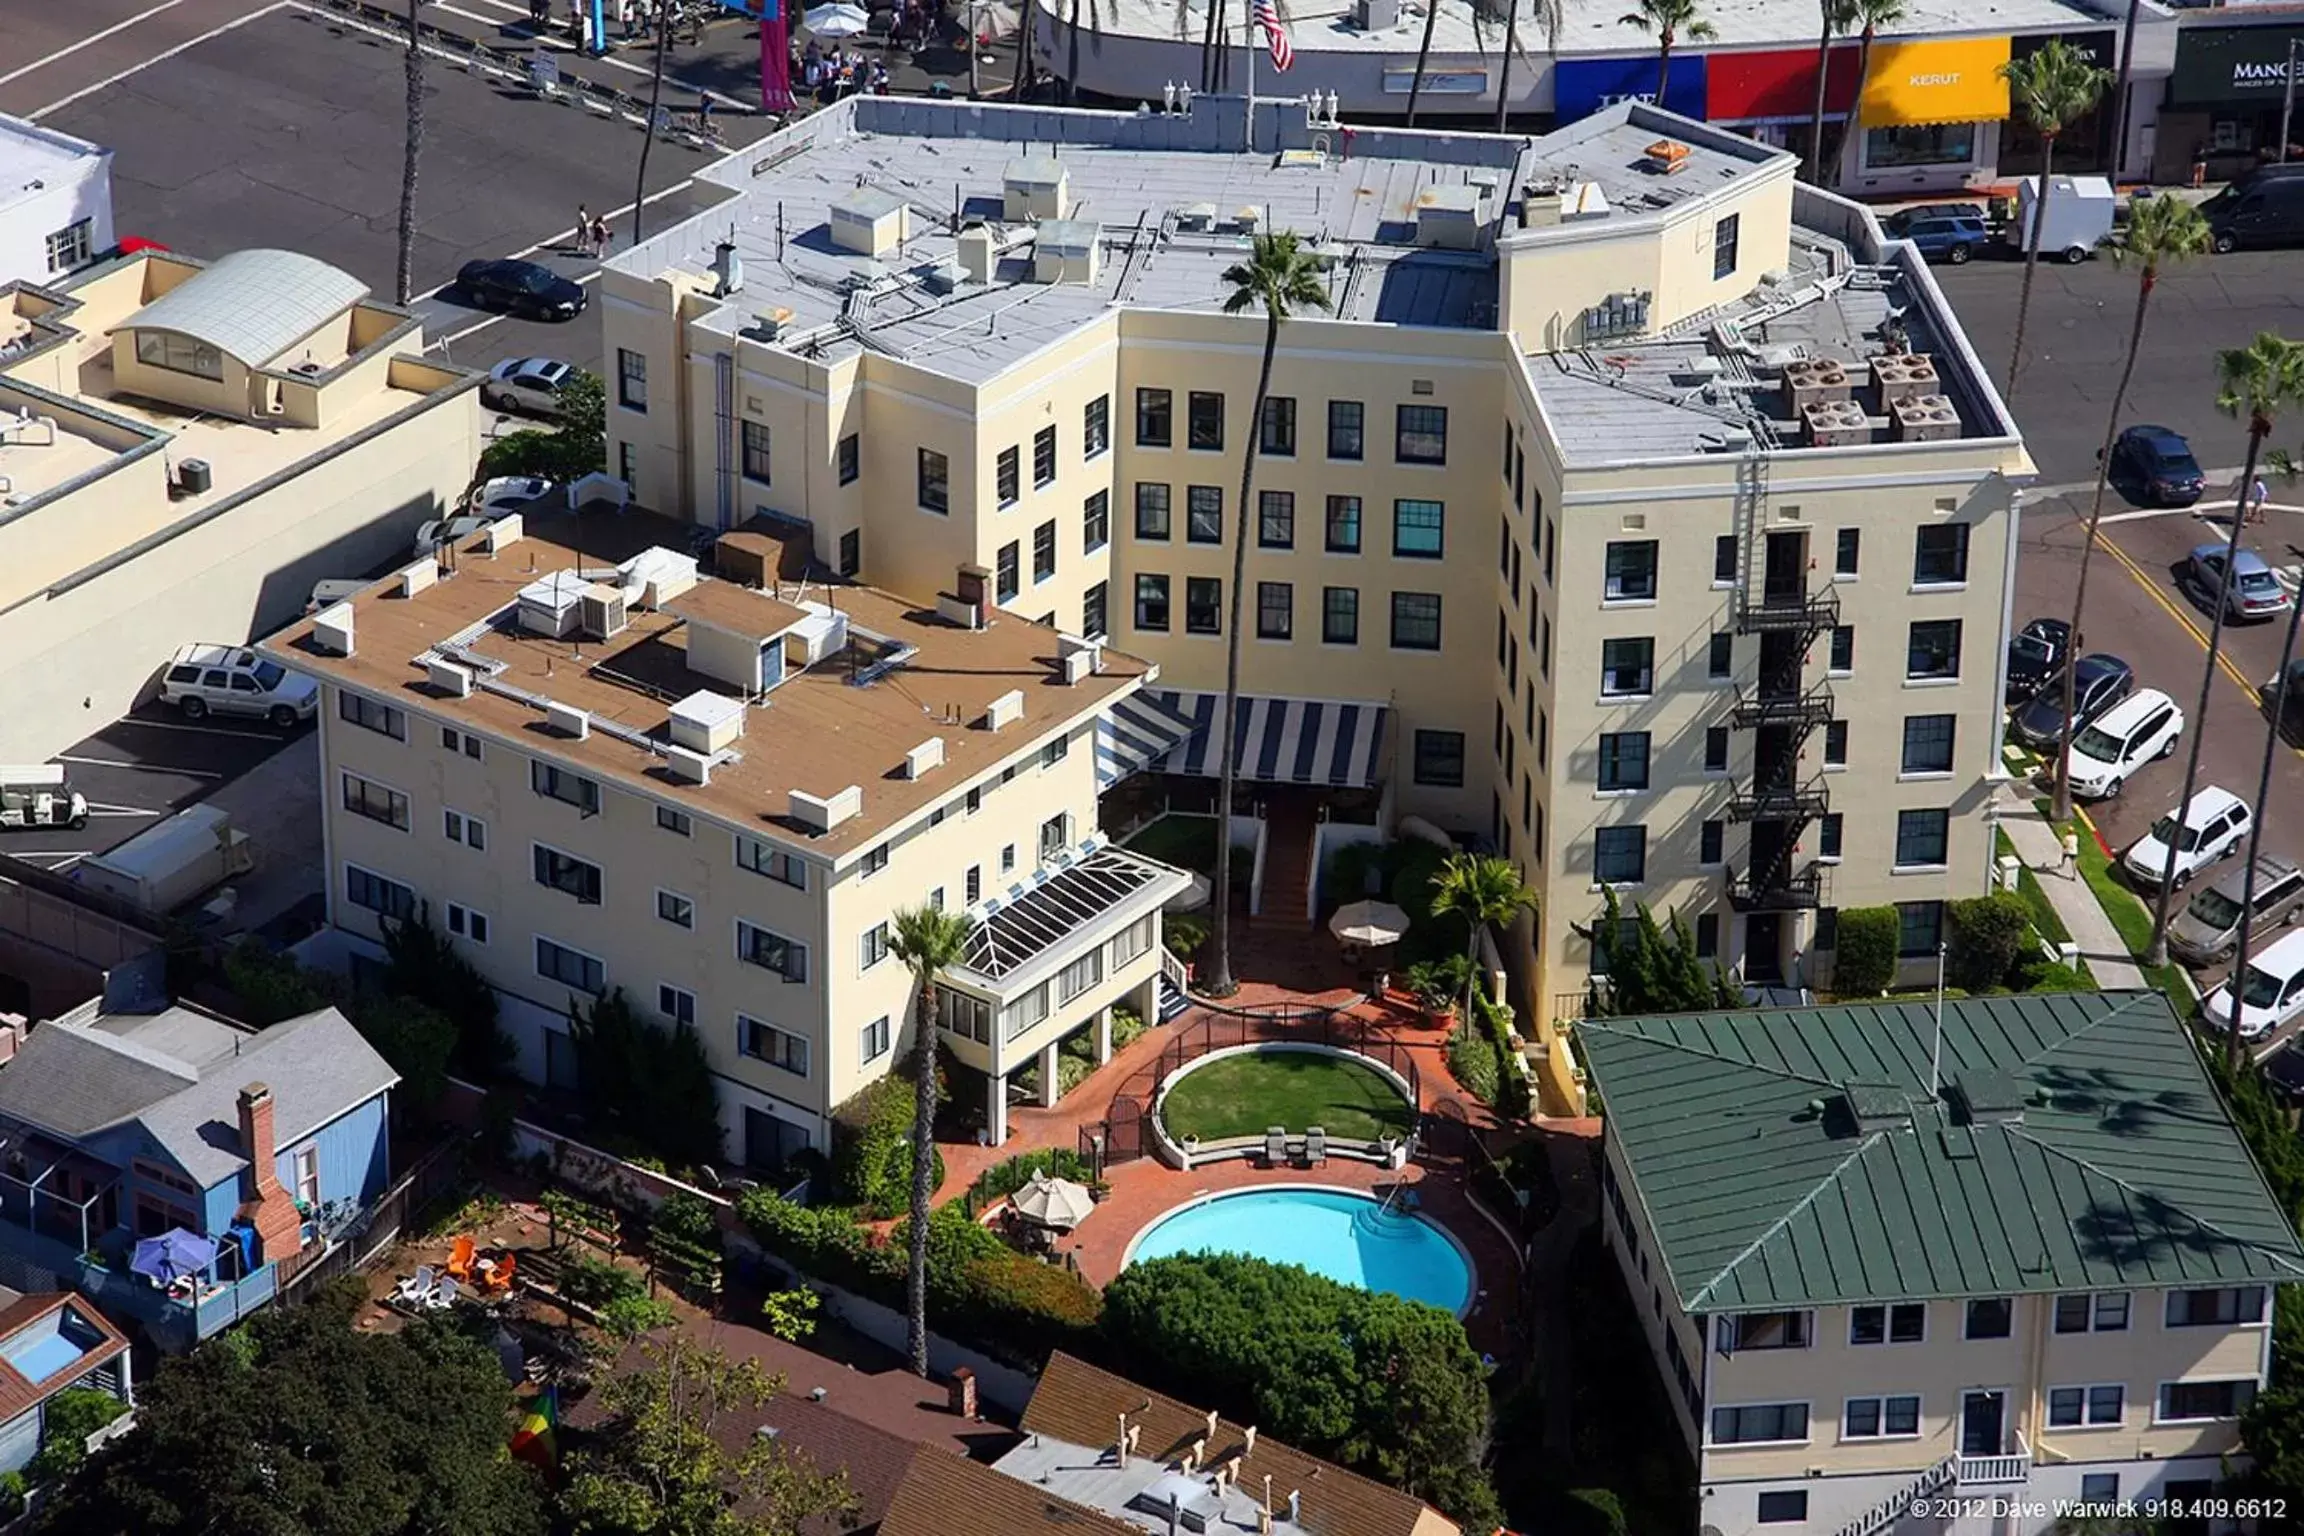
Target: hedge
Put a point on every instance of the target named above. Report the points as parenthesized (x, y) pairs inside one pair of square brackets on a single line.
[(872, 1148), (1864, 953), (1989, 935)]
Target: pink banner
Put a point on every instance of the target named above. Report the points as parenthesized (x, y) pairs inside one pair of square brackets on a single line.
[(775, 59)]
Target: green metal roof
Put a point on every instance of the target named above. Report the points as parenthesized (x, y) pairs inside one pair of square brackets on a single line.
[(2087, 1150)]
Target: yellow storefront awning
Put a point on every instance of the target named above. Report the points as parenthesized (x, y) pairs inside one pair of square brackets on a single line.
[(1955, 81)]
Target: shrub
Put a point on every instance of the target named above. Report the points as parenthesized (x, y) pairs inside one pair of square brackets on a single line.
[(1127, 1028), (71, 1417), (1511, 1083), (272, 987), (422, 965), (1439, 984), (872, 1148), (1987, 935), (790, 1315), (415, 1039), (690, 1218), (2034, 974), (1183, 934), (1473, 1061), (645, 1081), (599, 1283), (628, 1317), (1350, 873), (11, 1495), (1864, 959)]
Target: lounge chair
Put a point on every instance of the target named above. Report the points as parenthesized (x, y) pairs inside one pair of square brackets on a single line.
[(1315, 1146), (1276, 1146), (460, 1256), (415, 1290), (447, 1295), (498, 1278)]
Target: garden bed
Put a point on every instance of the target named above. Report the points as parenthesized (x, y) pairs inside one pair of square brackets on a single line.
[(1246, 1093)]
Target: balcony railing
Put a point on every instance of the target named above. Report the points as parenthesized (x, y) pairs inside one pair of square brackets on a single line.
[(1781, 800), (1807, 710), (1775, 890), (1891, 1509), (2011, 1466), (1799, 612)]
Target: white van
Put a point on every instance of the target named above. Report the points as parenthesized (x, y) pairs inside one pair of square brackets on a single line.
[(39, 796), (2273, 995)]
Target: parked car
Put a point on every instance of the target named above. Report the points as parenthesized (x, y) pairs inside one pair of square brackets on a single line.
[(231, 680), (527, 386), (2140, 728), (2208, 928), (2037, 653), (450, 530), (2159, 464), (2213, 826), (2271, 994), (2264, 208), (1948, 237), (506, 493), (2099, 681), (334, 589), (1912, 213), (2293, 705), (521, 288), (2252, 593)]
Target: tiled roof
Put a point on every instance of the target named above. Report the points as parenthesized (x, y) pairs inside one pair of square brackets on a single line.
[(947, 1495)]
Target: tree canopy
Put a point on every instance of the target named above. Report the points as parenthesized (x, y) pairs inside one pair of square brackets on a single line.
[(578, 448), (1653, 967)]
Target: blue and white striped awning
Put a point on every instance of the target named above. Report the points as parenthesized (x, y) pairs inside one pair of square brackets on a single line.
[(1282, 741), (1136, 733)]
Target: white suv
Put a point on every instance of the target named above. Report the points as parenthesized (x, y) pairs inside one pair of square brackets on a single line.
[(229, 680), (2214, 826), (2141, 727)]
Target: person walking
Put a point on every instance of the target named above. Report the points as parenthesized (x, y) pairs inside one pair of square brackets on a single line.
[(583, 230), (2258, 494), (600, 237), (2071, 866)]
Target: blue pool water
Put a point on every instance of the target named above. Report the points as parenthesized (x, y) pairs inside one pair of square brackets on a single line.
[(43, 1357), (1330, 1233)]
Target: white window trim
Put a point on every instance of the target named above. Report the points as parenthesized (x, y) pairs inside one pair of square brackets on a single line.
[(2093, 1297), (863, 941), (1711, 1444), (470, 913), (467, 821), (663, 987), (742, 958), (578, 858), (661, 893), (1990, 1338), (886, 1024), (349, 777), (1883, 1399), (807, 1046), (2264, 1309), (2086, 1423), (536, 962)]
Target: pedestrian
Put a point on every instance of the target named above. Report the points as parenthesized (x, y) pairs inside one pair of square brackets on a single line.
[(600, 237), (539, 13), (2258, 494), (583, 230), (2071, 865)]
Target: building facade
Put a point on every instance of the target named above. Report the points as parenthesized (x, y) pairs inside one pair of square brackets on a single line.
[(55, 202)]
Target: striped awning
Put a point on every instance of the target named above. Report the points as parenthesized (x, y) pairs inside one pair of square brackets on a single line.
[(1136, 733), (1283, 741)]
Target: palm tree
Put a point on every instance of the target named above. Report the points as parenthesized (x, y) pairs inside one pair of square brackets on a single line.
[(1669, 20), (1423, 52), (2120, 91), (1072, 47), (412, 148), (1870, 17), (1279, 277), (2051, 88), (1548, 13), (929, 941), (648, 133), (1839, 16), (2255, 382), (2160, 230), (1487, 892)]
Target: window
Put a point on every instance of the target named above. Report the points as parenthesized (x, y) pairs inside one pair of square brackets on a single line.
[(778, 1047), (2091, 1407), (1881, 1418), (1759, 1423), (935, 481), (1043, 552), (676, 909), (2188, 1400), (1204, 514), (1007, 858), (1720, 655), (1007, 573), (1279, 436), (386, 898), (756, 455), (2222, 1307), (1623, 760), (851, 559), (1828, 827), (1080, 975), (1827, 929), (2100, 1488), (1203, 605), (364, 797), (778, 865), (1155, 418), (369, 715), (1050, 755), (1708, 933), (179, 354), (632, 381), (850, 459), (1204, 420), (1415, 621), (570, 967), (872, 1039), (1716, 749), (1152, 602), (788, 958), (1343, 525), (1276, 519), (1740, 1331), (875, 860), (1130, 942), (1627, 668), (1919, 928), (567, 873), (1440, 759), (1095, 433), (72, 245), (972, 887), (1275, 610), (1055, 834), (1724, 247), (464, 923), (1905, 1322), (1631, 571), (1620, 855), (1340, 615), (1095, 522), (2105, 1313), (676, 822), (1710, 844), (454, 740), (1940, 555), (1346, 420), (1990, 1317), (1934, 649), (559, 784), (1043, 456), (1843, 655), (1094, 624), (966, 1016), (1008, 476), (1417, 533), (1928, 743), (1844, 557), (1920, 838), (1151, 510), (1724, 560), (873, 947), (1835, 743), (1421, 434)]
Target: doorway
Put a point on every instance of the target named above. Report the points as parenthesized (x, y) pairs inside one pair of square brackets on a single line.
[(1764, 948), (1786, 577), (1983, 1417)]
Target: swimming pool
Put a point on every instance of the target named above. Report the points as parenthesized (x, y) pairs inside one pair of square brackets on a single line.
[(1330, 1232), (50, 1344)]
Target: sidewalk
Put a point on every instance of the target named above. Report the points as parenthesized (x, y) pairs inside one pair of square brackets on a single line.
[(2084, 917)]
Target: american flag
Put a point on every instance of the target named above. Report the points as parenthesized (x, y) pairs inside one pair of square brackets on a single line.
[(1275, 35)]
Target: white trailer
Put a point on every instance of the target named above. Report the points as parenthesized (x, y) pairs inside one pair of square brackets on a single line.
[(2077, 219), (166, 866)]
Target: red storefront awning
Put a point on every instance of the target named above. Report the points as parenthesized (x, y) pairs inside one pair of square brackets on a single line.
[(1754, 87)]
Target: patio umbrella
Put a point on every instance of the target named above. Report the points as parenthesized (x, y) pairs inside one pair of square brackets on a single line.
[(1192, 898), (994, 21), (1053, 1202), (1369, 924), (837, 20), (172, 1255)]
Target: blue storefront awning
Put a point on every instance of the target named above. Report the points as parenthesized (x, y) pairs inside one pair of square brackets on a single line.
[(1581, 87)]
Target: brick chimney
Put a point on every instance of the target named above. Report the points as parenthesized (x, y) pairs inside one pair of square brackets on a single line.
[(269, 1208)]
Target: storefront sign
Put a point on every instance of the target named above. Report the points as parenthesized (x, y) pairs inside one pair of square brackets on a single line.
[(2231, 66), (1936, 82), (1777, 86), (1437, 82), (1581, 87)]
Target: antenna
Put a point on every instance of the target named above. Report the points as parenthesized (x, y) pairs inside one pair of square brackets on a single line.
[(1936, 1051)]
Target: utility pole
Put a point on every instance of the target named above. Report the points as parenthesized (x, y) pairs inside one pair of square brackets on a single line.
[(2287, 99)]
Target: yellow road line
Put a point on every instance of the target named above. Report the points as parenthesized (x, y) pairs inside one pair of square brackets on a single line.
[(2224, 660)]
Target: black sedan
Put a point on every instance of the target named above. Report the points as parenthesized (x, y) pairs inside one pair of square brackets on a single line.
[(2098, 682), (2156, 466), (2037, 653), (521, 288)]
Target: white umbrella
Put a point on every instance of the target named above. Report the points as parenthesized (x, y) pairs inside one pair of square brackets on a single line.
[(1369, 923), (1053, 1202), (1192, 898), (837, 20), (993, 21)]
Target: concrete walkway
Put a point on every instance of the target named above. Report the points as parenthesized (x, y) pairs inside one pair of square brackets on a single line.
[(2037, 844)]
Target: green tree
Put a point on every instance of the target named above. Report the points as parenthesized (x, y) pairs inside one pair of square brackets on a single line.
[(929, 940), (657, 1466), (272, 987), (2051, 88), (1654, 968), (1279, 278), (1839, 16), (1986, 936), (1864, 953), (67, 1421), (649, 1083), (297, 1424), (1547, 15), (2161, 230), (1667, 21), (1486, 892), (415, 1040), (576, 448), (421, 965)]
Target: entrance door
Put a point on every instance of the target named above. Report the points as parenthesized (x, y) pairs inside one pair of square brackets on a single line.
[(1982, 1416), (1786, 576), (1764, 948), (769, 1141)]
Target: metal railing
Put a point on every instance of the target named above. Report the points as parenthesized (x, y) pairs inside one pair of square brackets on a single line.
[(2010, 1466), (1781, 800), (1777, 707), (1775, 890), (1891, 1509), (1800, 612)]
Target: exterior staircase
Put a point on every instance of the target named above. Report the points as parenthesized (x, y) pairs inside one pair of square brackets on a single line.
[(1291, 825), (1891, 1509)]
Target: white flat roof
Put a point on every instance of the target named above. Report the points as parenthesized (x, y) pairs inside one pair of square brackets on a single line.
[(32, 154)]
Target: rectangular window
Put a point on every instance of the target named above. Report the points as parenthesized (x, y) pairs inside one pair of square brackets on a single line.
[(72, 245), (570, 967), (1203, 605), (851, 552), (1204, 420), (2188, 1401), (1844, 556), (766, 859), (366, 713), (2106, 1312), (632, 380), (1279, 436), (1724, 247), (1828, 835), (676, 1003), (1204, 514), (1724, 560), (306, 1168), (1096, 428), (675, 822), (453, 740), (1919, 928), (972, 885), (464, 923), (788, 958), (676, 909), (1275, 610), (1043, 552), (1760, 1424), (1716, 749), (1415, 621), (935, 481), (1421, 434), (1007, 571), (1151, 510), (756, 455), (872, 1040), (1707, 935), (1881, 1418), (1990, 1317), (1417, 529), (1094, 624), (1130, 943), (873, 947), (1340, 615), (364, 797), (1008, 476), (1627, 668), (1276, 519), (1095, 522), (966, 1016), (1631, 571), (1623, 760), (763, 1041), (1155, 418), (556, 783), (2086, 1407), (1720, 655), (875, 860), (1928, 743), (851, 459), (1940, 555), (1934, 649), (1347, 420), (1835, 743), (179, 354), (1079, 976), (1741, 1332), (1043, 457), (386, 898), (1343, 525), (2222, 1307), (566, 873), (1843, 656), (1152, 603), (1050, 755), (1620, 855), (1440, 759), (1711, 842), (1921, 837), (1904, 1322)]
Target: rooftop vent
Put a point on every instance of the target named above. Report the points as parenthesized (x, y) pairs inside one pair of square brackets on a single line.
[(1666, 157), (823, 813), (417, 575), (1905, 373), (1246, 217), (870, 222), (656, 575), (448, 679), (1836, 423), (548, 604), (1618, 317), (924, 757), (1196, 218), (688, 767), (1078, 666), (1004, 710), (568, 720), (1066, 251), (1815, 378), (1375, 15), (1034, 187), (502, 534), (944, 277), (706, 721), (769, 323), (332, 629), (1988, 1098), (969, 603), (1876, 1106), (977, 253), (1450, 218), (1925, 419)]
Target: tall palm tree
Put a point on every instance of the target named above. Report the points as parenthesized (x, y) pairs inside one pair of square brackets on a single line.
[(1546, 12), (929, 941), (1072, 47), (2120, 90), (1487, 892), (2051, 88), (1839, 16), (2160, 230), (1423, 52), (1279, 277), (1668, 21), (648, 133), (2255, 382), (411, 149), (1871, 16)]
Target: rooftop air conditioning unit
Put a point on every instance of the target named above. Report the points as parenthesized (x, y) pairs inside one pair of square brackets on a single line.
[(548, 604), (1375, 15), (688, 767), (1004, 710), (707, 722), (1815, 379), (1904, 374), (1925, 419), (502, 534), (568, 720), (448, 679), (770, 324), (1836, 423), (418, 575), (600, 611), (821, 813), (921, 759), (944, 277), (332, 629)]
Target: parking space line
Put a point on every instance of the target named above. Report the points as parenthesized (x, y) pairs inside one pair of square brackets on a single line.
[(106, 762), (168, 53), (202, 730), (94, 37), (99, 808)]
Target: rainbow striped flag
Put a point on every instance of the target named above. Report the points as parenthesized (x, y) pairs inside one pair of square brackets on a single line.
[(534, 1439)]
